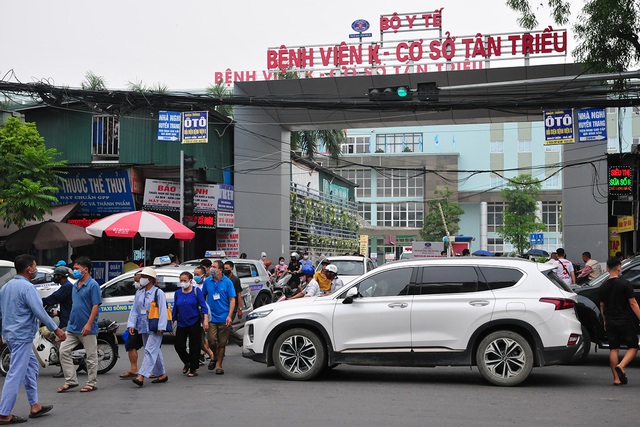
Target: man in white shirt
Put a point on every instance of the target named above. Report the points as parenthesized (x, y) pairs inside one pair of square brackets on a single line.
[(331, 271), (564, 268)]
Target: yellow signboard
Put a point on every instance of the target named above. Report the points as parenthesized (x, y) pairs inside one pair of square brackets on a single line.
[(625, 223), (364, 244), (614, 241)]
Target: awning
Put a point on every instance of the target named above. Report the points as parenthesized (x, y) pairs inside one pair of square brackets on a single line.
[(58, 213)]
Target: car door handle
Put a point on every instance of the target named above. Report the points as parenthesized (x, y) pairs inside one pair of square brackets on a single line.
[(479, 303), (398, 305)]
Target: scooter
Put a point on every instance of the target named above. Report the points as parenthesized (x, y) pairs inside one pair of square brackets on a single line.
[(280, 285), (47, 352)]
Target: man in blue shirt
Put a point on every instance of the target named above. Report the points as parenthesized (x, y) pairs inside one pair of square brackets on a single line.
[(20, 305), (62, 296), (221, 297), (82, 327)]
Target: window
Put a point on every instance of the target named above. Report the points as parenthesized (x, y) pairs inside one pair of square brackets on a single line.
[(362, 177), (495, 216), (552, 181), (398, 142), (389, 283), (408, 214), (495, 245), (449, 280), (364, 209), (551, 216), (555, 147), (355, 145), (105, 142), (400, 183), (498, 278), (496, 146), (496, 181), (524, 146), (121, 288), (169, 283)]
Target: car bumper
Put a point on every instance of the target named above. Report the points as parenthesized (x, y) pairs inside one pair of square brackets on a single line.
[(256, 357), (561, 355)]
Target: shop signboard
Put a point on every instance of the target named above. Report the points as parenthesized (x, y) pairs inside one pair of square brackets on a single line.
[(165, 195), (592, 124), (195, 127), (103, 271), (169, 126), (558, 127), (99, 192), (229, 242)]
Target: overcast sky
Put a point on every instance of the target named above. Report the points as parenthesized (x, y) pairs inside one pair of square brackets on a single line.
[(181, 44)]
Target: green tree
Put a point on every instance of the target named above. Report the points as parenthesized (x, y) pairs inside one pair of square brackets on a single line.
[(220, 90), (433, 229), (28, 173), (606, 30), (140, 87), (93, 81), (521, 195), (309, 141)]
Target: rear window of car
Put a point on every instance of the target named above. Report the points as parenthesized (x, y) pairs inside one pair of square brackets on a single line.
[(349, 268), (556, 280), (449, 280), (245, 270), (500, 277)]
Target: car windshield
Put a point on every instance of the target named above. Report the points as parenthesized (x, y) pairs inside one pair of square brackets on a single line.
[(349, 268)]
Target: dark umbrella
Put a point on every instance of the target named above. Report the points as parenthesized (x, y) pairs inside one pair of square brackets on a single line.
[(48, 235), (482, 252), (537, 252)]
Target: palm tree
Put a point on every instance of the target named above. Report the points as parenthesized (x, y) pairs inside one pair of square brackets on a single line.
[(219, 90), (93, 82), (139, 86), (308, 141)]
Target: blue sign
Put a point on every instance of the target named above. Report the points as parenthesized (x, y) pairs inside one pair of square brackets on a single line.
[(103, 271), (225, 198), (592, 124), (558, 127), (169, 126), (360, 25), (353, 36), (536, 238), (99, 192), (195, 127)]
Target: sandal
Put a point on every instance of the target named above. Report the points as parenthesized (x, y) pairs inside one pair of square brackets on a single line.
[(88, 388), (185, 369), (192, 374), (128, 374), (219, 371), (66, 387)]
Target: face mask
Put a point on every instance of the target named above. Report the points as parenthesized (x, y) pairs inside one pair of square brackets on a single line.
[(137, 285), (144, 282), (227, 272), (197, 279), (306, 257), (77, 274), (55, 279), (281, 262), (185, 285)]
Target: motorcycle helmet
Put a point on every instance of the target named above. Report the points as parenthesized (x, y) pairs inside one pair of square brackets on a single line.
[(332, 268), (294, 255), (307, 271), (61, 271)]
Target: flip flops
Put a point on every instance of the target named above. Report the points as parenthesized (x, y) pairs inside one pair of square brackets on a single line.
[(128, 374), (88, 388), (66, 387), (621, 375)]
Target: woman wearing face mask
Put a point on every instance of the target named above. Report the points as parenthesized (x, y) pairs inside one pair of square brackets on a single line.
[(139, 321), (279, 270), (188, 303), (199, 273)]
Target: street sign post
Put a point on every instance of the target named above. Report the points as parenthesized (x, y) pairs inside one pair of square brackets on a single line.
[(536, 239)]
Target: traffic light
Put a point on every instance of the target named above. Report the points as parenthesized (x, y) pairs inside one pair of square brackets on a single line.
[(392, 93), (189, 191), (189, 194), (428, 92)]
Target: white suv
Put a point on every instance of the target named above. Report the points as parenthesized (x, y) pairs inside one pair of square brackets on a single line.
[(502, 315)]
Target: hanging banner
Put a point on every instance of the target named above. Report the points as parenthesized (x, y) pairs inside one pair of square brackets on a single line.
[(558, 127), (195, 127)]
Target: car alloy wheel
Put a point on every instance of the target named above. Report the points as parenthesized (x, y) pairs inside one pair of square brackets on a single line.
[(504, 358), (299, 354)]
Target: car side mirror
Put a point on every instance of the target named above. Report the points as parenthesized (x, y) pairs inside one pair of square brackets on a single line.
[(351, 295)]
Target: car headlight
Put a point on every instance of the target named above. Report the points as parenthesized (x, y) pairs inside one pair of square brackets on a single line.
[(258, 314)]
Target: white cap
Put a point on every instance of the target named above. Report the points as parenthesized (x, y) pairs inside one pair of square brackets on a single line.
[(263, 254), (148, 271)]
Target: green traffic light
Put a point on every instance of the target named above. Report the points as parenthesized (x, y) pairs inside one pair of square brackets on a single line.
[(402, 92)]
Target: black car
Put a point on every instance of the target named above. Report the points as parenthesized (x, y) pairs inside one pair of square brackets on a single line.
[(588, 307)]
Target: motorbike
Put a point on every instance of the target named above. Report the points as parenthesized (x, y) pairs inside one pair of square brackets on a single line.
[(47, 353), (278, 286)]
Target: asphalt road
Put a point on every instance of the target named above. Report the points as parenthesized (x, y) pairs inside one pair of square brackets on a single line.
[(250, 394)]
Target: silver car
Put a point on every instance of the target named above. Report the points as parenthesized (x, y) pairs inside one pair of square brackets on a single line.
[(252, 275), (118, 294)]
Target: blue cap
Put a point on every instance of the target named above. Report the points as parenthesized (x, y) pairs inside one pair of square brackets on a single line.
[(61, 262)]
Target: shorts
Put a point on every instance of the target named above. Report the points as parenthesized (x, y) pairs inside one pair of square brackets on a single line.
[(133, 342), (218, 334), (618, 334)]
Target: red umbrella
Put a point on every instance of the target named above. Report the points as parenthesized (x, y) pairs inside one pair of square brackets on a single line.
[(142, 223)]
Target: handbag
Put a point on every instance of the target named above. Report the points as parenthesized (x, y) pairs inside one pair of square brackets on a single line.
[(154, 316)]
